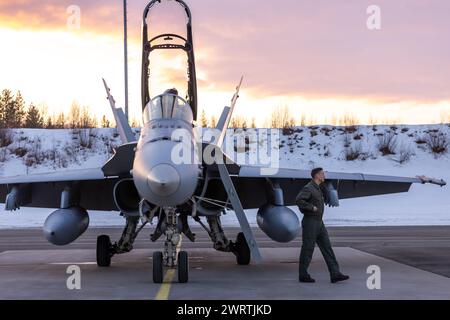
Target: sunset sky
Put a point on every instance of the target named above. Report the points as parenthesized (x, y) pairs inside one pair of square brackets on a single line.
[(318, 57)]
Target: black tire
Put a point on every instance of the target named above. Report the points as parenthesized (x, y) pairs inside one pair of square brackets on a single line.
[(242, 250), (183, 267), (103, 251), (158, 267)]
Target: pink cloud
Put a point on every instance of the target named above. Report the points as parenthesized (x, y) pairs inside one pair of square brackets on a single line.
[(289, 47)]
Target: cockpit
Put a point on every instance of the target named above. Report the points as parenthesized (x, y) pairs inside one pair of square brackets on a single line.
[(168, 106)]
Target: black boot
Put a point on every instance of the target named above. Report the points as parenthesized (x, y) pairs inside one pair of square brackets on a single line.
[(306, 279), (339, 277)]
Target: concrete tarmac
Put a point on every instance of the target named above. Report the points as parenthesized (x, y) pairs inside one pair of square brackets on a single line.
[(414, 264)]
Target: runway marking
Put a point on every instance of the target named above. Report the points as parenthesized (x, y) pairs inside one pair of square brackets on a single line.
[(164, 290), (74, 263)]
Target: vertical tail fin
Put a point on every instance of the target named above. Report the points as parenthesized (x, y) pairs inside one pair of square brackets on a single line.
[(124, 129), (222, 126), (227, 113)]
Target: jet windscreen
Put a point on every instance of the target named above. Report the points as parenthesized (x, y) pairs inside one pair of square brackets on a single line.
[(168, 106)]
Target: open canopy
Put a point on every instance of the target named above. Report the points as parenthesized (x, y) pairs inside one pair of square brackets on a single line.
[(168, 106), (168, 41)]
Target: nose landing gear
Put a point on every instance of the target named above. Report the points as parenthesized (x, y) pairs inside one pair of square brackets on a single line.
[(182, 265), (158, 270), (171, 257)]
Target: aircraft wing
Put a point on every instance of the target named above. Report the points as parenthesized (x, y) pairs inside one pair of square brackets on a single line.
[(44, 189), (95, 185), (343, 185), (67, 175), (251, 183)]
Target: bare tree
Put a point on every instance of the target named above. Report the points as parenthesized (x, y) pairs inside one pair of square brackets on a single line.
[(282, 118), (74, 115), (349, 120), (105, 122), (60, 121), (213, 122), (86, 119), (135, 123), (445, 117), (303, 120), (238, 122)]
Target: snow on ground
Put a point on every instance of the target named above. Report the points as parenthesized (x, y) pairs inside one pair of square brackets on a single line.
[(33, 151)]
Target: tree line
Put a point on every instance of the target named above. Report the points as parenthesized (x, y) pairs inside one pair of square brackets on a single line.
[(15, 113)]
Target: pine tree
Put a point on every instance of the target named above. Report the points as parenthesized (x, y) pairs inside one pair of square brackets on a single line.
[(6, 99), (49, 123), (18, 111), (6, 103), (204, 120), (33, 118)]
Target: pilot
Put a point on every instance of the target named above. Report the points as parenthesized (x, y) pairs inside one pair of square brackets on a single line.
[(171, 91), (311, 202)]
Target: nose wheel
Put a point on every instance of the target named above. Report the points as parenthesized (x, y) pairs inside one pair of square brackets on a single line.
[(182, 266), (158, 267), (171, 257)]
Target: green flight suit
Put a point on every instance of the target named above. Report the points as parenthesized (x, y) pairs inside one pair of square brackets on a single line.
[(313, 229)]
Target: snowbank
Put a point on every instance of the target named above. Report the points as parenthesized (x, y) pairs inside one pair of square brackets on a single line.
[(346, 149)]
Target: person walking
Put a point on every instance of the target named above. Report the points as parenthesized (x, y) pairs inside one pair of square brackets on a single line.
[(311, 202)]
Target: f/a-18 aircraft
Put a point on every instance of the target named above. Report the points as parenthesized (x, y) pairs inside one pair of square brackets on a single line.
[(143, 182)]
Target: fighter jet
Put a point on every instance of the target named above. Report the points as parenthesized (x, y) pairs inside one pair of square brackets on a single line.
[(144, 182)]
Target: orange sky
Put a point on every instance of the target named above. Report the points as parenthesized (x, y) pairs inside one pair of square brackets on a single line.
[(318, 57)]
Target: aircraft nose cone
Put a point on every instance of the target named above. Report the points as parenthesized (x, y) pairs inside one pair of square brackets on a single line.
[(163, 180)]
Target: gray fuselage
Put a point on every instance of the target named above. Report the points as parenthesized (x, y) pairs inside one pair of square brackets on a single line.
[(165, 170)]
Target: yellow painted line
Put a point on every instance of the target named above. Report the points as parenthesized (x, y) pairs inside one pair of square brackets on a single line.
[(164, 290)]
